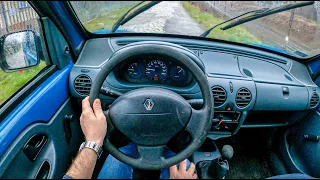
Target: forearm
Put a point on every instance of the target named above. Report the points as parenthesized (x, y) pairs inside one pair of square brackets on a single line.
[(83, 166)]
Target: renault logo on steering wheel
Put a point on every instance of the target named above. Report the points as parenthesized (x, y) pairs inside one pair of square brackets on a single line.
[(148, 104)]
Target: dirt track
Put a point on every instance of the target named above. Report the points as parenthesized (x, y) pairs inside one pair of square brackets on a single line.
[(165, 17)]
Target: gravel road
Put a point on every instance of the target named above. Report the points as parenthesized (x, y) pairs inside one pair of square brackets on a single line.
[(165, 17)]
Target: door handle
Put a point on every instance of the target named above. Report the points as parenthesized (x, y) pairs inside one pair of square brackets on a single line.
[(43, 171), (34, 146)]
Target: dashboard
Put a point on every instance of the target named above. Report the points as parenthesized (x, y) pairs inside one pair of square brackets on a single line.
[(153, 70), (251, 88)]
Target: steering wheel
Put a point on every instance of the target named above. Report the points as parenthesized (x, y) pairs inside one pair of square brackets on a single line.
[(151, 116)]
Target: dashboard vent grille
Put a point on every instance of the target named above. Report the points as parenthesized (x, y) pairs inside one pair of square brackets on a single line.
[(82, 84), (219, 95), (314, 100), (243, 97)]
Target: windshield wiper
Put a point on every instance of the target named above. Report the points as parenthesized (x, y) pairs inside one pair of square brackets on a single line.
[(267, 13), (124, 18), (255, 15), (253, 11)]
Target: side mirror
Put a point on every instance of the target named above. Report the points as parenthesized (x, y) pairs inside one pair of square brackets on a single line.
[(19, 50)]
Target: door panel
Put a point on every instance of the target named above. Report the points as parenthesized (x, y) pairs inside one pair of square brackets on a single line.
[(38, 106), (56, 154), (42, 113)]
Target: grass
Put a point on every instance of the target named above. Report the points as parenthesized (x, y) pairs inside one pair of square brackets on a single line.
[(107, 19), (207, 20), (13, 81)]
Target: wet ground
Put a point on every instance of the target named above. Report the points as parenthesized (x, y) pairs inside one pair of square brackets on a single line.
[(165, 17)]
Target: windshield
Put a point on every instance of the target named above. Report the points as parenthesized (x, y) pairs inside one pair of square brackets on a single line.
[(294, 32)]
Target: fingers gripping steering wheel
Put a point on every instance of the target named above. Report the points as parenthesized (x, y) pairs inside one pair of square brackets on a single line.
[(150, 116)]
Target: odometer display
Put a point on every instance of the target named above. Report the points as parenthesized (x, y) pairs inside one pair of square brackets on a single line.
[(156, 70)]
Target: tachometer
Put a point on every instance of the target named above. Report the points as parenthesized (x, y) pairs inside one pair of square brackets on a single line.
[(156, 70), (135, 70), (177, 73)]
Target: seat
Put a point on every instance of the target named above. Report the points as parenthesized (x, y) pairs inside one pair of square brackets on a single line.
[(292, 176)]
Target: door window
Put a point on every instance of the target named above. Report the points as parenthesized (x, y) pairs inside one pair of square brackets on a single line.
[(17, 16)]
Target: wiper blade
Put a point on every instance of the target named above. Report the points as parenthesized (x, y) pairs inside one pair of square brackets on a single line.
[(253, 11), (266, 13), (125, 18)]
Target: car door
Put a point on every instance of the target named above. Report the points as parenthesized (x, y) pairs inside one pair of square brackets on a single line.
[(39, 126)]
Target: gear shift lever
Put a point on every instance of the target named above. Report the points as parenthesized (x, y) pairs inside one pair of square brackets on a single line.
[(217, 168), (227, 152), (220, 167)]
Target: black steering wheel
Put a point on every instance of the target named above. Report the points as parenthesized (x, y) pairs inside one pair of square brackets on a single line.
[(150, 116)]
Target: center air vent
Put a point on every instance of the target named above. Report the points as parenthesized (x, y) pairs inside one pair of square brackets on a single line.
[(219, 95), (314, 100), (82, 84), (243, 97)]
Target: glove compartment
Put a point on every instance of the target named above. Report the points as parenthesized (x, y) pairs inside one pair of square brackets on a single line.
[(280, 97)]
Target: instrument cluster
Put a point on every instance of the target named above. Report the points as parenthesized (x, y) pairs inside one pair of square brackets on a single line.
[(155, 71)]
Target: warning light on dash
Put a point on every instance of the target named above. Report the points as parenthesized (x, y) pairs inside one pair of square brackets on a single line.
[(155, 78)]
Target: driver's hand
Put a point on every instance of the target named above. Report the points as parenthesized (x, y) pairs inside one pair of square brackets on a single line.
[(93, 121), (182, 172)]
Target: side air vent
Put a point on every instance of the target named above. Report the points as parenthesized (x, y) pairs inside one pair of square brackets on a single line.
[(314, 100), (219, 95), (243, 97), (82, 84)]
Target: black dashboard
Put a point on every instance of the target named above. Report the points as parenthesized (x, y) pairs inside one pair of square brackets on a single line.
[(245, 82)]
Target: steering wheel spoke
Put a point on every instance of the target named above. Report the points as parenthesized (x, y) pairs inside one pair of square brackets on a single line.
[(152, 155), (196, 125)]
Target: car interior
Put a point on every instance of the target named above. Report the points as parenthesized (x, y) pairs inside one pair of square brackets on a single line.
[(234, 110)]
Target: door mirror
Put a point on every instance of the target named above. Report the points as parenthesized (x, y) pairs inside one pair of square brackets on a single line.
[(18, 51)]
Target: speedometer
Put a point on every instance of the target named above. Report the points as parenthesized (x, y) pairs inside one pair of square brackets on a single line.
[(156, 70)]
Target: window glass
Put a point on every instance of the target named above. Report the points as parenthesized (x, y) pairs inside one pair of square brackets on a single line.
[(16, 16), (294, 32)]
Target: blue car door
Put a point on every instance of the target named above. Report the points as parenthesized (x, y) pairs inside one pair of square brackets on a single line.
[(39, 128)]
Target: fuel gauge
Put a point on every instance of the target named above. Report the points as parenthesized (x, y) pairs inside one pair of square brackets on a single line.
[(135, 70)]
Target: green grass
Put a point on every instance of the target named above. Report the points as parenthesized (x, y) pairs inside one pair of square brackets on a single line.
[(207, 20), (107, 19), (13, 81)]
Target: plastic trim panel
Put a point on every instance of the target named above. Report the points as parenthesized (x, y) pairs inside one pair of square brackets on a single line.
[(39, 106)]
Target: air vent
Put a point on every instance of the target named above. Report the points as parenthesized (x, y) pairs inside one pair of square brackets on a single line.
[(82, 84), (243, 97), (219, 95), (314, 100)]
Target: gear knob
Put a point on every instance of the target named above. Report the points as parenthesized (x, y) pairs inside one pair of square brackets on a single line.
[(227, 152)]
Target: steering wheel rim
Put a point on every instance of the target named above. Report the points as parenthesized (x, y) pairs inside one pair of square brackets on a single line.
[(198, 124)]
